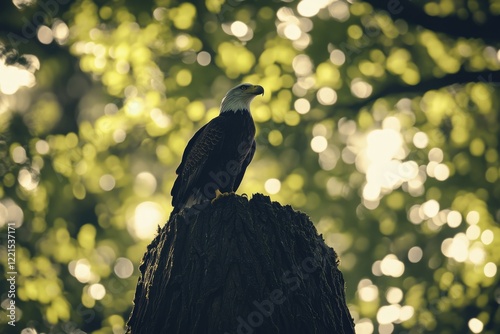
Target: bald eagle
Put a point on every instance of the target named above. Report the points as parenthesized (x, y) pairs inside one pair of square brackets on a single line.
[(218, 154)]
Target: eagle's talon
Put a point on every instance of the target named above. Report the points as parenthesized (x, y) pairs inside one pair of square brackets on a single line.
[(219, 194)]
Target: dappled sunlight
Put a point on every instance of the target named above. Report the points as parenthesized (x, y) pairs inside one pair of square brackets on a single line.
[(123, 268), (383, 131), (146, 219), (10, 213), (272, 186), (97, 291), (81, 270), (14, 77)]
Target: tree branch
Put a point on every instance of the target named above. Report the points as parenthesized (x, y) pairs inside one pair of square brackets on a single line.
[(451, 25), (460, 77)]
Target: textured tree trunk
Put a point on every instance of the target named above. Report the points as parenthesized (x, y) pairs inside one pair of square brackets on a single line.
[(240, 266)]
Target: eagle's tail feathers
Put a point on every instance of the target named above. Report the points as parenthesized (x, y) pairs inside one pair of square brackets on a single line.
[(194, 203)]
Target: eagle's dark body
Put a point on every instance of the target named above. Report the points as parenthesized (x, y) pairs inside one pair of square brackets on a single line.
[(215, 158)]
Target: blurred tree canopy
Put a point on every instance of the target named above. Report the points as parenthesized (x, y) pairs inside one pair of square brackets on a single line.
[(380, 120)]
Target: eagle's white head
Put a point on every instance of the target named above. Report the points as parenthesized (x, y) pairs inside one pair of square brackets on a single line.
[(239, 97)]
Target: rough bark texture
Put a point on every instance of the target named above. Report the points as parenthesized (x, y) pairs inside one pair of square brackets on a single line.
[(240, 266)]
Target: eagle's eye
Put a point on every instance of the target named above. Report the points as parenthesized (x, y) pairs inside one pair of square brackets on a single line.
[(243, 87)]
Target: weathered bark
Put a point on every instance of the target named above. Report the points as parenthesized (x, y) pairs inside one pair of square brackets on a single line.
[(240, 266)]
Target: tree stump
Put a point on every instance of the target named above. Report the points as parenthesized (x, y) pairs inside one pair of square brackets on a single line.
[(240, 266)]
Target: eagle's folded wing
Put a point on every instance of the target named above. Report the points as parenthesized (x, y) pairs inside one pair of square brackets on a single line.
[(200, 152)]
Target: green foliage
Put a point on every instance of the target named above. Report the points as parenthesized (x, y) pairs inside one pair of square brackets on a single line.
[(379, 120)]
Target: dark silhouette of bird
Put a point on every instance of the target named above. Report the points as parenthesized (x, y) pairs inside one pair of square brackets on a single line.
[(218, 154)]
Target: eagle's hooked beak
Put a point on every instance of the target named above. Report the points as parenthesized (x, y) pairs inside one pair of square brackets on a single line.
[(256, 90)]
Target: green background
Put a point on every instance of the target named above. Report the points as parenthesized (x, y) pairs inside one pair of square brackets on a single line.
[(380, 120)]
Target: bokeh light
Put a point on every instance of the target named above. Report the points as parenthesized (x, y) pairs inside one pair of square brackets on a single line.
[(475, 325), (272, 186), (13, 78), (146, 219), (360, 128), (319, 144)]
